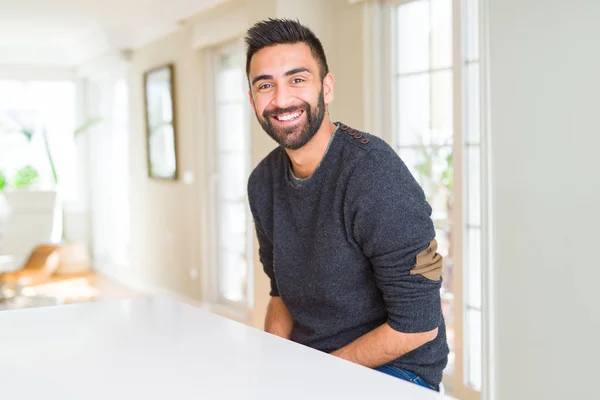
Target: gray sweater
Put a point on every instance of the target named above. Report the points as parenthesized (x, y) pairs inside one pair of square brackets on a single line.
[(351, 248)]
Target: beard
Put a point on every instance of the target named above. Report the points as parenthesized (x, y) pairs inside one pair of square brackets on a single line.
[(294, 137)]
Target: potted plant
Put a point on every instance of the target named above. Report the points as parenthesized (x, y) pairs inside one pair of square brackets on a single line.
[(34, 212)]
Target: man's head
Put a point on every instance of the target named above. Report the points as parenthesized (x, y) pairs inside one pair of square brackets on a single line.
[(289, 80)]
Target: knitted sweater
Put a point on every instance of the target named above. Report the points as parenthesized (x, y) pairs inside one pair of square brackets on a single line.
[(352, 248)]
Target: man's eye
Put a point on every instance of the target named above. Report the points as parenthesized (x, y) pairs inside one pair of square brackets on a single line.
[(264, 86), (297, 80)]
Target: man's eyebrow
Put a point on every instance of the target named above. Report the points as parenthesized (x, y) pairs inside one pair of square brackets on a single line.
[(261, 77), (297, 71), (288, 73)]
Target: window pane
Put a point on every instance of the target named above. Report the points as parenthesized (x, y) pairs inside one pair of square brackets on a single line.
[(441, 33), (413, 28), (425, 114), (448, 311), (473, 268), (442, 181), (444, 239), (474, 185), (413, 110), (474, 348), (418, 163), (432, 168), (441, 107), (230, 85), (13, 95), (473, 105), (232, 232), (233, 242), (234, 269), (40, 106), (472, 29), (233, 152), (232, 173), (233, 218), (232, 127)]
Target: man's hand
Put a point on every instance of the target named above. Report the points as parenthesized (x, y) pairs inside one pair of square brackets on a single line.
[(382, 345), (279, 320)]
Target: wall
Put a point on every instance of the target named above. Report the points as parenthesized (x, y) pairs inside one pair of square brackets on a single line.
[(544, 122), (164, 233), (168, 218)]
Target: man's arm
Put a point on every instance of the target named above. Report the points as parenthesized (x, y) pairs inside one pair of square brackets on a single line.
[(279, 320), (382, 345), (392, 224)]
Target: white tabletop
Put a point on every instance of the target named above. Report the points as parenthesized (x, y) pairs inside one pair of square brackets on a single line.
[(156, 348)]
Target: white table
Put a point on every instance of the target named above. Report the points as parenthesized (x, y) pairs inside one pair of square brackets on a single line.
[(156, 348)]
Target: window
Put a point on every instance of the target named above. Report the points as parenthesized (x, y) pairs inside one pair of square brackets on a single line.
[(231, 168), (473, 202), (436, 131), (39, 106), (108, 159)]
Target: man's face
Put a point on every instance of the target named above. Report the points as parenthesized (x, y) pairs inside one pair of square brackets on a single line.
[(287, 94)]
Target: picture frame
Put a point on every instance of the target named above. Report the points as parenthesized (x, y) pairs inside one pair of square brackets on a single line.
[(161, 132)]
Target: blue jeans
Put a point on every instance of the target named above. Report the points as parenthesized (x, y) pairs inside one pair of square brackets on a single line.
[(405, 375)]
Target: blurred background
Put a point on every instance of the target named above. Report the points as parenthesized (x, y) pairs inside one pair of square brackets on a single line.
[(126, 141)]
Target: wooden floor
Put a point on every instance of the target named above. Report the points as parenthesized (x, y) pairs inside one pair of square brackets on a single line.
[(70, 289)]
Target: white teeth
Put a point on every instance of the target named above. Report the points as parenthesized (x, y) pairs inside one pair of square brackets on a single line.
[(287, 117)]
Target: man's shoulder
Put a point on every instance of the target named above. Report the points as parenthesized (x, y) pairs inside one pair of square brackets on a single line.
[(376, 165), (370, 149), (364, 141)]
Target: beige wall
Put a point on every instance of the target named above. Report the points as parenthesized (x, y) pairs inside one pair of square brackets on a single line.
[(546, 192), (169, 233)]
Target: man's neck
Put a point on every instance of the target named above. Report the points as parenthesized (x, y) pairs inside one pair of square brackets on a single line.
[(306, 159)]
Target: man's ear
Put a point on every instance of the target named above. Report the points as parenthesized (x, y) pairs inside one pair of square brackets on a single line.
[(328, 84)]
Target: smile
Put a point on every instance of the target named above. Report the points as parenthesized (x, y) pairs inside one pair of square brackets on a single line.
[(288, 116)]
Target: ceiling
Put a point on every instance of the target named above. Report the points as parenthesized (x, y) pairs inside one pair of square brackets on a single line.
[(69, 32)]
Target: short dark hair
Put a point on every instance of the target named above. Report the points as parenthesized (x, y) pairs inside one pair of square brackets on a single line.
[(283, 31)]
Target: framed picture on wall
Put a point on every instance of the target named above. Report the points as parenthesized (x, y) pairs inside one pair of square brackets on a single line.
[(160, 122)]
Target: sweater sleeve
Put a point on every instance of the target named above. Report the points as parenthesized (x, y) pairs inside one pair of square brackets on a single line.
[(393, 227), (265, 252), (265, 244)]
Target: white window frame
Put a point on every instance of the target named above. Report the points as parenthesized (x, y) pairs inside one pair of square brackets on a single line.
[(240, 311), (381, 37)]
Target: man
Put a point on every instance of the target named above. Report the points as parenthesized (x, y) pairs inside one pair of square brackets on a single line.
[(345, 232)]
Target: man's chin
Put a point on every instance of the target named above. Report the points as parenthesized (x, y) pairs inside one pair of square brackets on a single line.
[(286, 143), (288, 139)]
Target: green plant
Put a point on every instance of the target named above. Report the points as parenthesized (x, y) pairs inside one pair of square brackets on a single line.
[(25, 177), (436, 178), (28, 133), (2, 181), (86, 126), (49, 154)]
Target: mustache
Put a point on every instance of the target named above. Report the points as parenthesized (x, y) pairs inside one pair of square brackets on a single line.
[(274, 111)]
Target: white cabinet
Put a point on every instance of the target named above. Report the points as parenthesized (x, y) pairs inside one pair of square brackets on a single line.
[(33, 218)]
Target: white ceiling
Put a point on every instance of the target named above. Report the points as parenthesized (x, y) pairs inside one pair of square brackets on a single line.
[(69, 32)]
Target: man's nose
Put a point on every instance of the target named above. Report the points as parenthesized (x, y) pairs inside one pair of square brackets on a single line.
[(282, 98)]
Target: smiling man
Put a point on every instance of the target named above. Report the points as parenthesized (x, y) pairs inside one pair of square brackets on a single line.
[(345, 231)]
